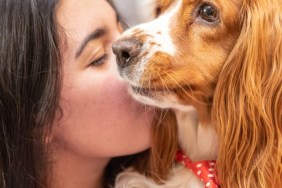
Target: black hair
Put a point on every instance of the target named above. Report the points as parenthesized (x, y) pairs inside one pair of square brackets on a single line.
[(29, 89)]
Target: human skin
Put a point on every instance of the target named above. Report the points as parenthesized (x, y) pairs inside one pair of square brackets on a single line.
[(99, 119)]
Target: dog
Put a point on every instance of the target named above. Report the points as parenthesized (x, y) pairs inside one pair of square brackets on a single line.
[(218, 66)]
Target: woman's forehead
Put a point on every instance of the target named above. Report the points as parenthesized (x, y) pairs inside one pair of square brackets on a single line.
[(84, 14), (79, 18)]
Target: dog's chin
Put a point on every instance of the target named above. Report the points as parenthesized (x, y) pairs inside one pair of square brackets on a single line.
[(161, 98), (148, 96)]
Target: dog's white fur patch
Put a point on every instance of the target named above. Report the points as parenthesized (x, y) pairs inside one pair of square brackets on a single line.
[(180, 178), (158, 32)]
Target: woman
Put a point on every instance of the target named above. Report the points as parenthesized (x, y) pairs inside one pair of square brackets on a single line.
[(64, 111)]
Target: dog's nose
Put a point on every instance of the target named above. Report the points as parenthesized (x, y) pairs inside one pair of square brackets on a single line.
[(126, 50)]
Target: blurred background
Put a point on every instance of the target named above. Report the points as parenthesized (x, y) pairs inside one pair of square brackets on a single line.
[(134, 12)]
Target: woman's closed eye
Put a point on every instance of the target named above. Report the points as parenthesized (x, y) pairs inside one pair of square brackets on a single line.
[(100, 60)]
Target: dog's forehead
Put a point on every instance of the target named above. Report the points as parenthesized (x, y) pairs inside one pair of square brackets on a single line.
[(162, 6), (168, 4), (164, 3)]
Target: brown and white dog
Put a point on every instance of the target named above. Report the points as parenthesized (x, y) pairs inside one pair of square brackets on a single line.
[(218, 65)]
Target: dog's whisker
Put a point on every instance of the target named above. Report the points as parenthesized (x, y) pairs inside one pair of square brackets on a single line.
[(185, 92), (162, 80), (162, 116)]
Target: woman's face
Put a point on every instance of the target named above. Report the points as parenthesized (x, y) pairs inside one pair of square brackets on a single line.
[(99, 117)]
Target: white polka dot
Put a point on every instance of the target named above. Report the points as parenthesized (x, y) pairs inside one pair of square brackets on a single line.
[(208, 184), (210, 175), (211, 169), (199, 172), (211, 163), (199, 165)]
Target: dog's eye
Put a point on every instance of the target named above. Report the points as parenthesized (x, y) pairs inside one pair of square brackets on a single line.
[(208, 13)]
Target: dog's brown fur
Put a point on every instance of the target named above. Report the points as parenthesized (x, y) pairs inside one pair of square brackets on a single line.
[(232, 74)]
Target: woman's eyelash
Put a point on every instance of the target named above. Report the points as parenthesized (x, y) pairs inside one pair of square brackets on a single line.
[(100, 60)]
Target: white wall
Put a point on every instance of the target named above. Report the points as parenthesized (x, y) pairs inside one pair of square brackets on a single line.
[(135, 11)]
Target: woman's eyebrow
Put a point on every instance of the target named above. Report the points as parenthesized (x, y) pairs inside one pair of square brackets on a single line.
[(97, 33)]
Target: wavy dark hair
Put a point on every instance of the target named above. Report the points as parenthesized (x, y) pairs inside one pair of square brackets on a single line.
[(29, 89)]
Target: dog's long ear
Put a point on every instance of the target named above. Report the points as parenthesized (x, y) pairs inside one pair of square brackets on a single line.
[(247, 109), (164, 146), (159, 160)]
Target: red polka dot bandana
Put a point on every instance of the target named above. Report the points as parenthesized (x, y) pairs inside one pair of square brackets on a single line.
[(205, 170)]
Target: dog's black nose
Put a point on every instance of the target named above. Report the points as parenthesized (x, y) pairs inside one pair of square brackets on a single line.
[(126, 50)]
